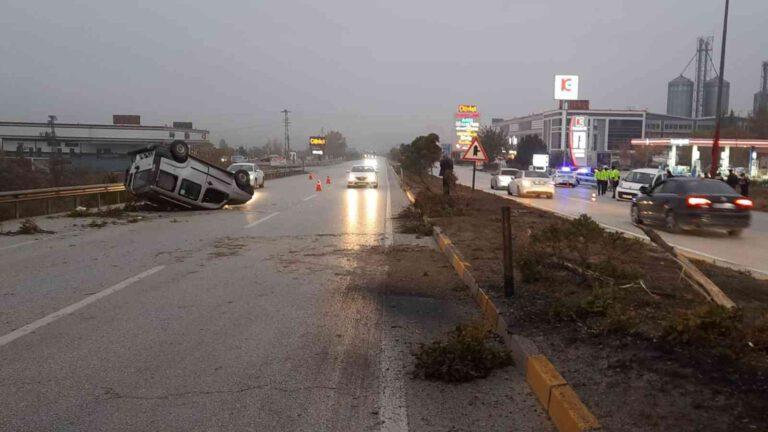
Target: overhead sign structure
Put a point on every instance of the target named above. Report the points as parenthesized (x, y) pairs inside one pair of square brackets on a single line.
[(566, 87), (578, 142), (475, 152)]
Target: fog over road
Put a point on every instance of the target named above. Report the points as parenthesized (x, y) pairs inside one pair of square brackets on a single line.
[(750, 250)]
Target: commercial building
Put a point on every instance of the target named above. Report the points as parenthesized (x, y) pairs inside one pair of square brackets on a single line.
[(75, 139), (101, 147), (609, 132)]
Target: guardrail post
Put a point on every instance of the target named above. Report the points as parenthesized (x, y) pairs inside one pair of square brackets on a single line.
[(77, 202), (48, 207), (17, 209), (98, 201)]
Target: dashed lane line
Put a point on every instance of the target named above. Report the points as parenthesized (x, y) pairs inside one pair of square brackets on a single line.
[(18, 244), (265, 218), (29, 328), (308, 198)]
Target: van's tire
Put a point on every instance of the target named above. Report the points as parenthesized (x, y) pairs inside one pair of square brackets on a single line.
[(243, 180), (179, 151)]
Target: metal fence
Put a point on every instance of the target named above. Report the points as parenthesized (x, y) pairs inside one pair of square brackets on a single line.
[(37, 202)]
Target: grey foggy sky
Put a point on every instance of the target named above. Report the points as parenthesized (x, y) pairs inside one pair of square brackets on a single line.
[(381, 72)]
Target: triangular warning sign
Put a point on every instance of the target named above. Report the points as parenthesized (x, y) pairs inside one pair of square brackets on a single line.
[(475, 152)]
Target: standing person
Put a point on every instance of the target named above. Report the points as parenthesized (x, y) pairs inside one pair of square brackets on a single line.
[(744, 184), (446, 172), (600, 179), (732, 179), (615, 177)]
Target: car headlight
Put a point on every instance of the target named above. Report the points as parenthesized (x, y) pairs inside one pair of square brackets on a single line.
[(351, 177), (526, 183)]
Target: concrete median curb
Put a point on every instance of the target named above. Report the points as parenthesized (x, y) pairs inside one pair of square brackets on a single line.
[(553, 392)]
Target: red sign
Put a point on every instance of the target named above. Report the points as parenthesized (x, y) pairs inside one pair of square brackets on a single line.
[(475, 152)]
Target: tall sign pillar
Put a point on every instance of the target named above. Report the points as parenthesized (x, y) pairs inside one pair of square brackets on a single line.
[(566, 89)]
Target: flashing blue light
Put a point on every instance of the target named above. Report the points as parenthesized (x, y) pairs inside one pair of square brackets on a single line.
[(583, 170), (565, 169)]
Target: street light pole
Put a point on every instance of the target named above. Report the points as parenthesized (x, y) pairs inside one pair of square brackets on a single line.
[(719, 113)]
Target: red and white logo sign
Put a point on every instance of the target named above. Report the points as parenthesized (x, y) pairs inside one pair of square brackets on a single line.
[(566, 87)]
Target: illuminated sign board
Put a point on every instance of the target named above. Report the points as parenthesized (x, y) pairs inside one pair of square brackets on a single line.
[(566, 87), (467, 124), (317, 152), (316, 141), (578, 142)]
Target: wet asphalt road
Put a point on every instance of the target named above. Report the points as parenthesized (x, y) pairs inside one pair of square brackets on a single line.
[(749, 251), (240, 319)]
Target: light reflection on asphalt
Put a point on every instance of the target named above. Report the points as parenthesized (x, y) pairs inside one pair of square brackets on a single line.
[(361, 215)]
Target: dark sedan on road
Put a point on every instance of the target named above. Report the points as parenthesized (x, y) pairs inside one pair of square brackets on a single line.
[(685, 202)]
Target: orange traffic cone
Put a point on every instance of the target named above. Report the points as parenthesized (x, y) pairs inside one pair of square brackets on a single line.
[(310, 176), (319, 186), (328, 180)]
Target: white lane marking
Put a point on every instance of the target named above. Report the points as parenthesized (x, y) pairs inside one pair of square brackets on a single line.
[(18, 244), (265, 218), (29, 328), (308, 198), (388, 236), (393, 411)]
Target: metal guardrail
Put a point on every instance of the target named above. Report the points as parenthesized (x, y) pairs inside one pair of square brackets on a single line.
[(16, 198)]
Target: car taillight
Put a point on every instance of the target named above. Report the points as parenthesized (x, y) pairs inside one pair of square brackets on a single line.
[(744, 203), (693, 201)]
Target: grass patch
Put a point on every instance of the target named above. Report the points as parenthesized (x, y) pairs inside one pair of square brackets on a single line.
[(97, 224), (468, 352), (410, 221), (27, 227)]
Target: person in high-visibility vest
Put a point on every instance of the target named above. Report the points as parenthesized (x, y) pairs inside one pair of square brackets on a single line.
[(615, 177), (602, 180)]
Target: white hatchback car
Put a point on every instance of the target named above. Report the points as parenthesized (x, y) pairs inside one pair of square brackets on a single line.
[(565, 177), (254, 173), (629, 186), (501, 177), (527, 183)]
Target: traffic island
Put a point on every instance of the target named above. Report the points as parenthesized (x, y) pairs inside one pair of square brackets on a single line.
[(640, 346)]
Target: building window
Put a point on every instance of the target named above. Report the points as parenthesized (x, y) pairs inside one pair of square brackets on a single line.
[(172, 134), (186, 135), (621, 132)]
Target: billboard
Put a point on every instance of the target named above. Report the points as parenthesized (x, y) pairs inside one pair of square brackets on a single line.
[(566, 87), (316, 141), (578, 141), (467, 125), (126, 119), (182, 125)]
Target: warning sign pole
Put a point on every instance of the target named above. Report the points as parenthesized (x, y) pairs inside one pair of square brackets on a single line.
[(475, 153)]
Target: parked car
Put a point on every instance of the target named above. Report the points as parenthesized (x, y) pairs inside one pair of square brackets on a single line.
[(585, 176), (363, 175), (688, 202), (629, 186), (564, 177), (534, 183), (254, 173), (167, 174), (501, 177)]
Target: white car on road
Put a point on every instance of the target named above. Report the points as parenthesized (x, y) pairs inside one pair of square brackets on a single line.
[(529, 182), (501, 177), (255, 175), (565, 177), (629, 186), (363, 176)]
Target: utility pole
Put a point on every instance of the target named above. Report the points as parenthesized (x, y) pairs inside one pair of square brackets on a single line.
[(719, 113), (287, 146)]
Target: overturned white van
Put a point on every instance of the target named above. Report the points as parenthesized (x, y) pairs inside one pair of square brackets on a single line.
[(167, 174)]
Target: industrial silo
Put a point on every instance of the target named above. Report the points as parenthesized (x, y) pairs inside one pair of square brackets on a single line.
[(710, 97), (680, 97)]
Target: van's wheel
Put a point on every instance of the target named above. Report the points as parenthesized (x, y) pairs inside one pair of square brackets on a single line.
[(243, 179), (670, 222), (634, 214), (179, 151)]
